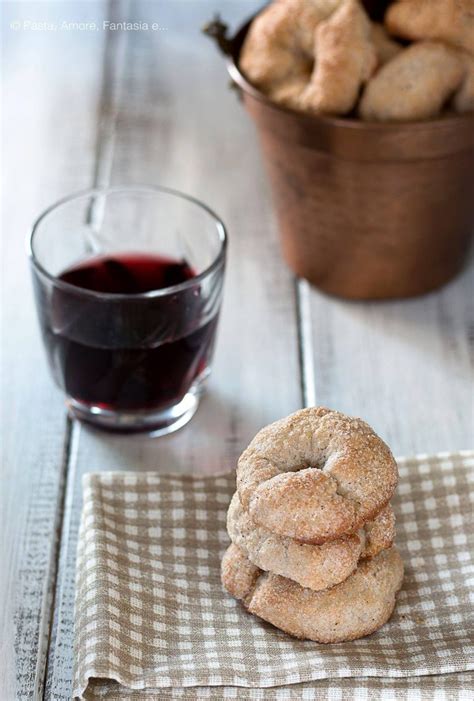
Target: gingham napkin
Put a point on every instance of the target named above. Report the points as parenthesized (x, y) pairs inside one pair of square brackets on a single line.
[(152, 620)]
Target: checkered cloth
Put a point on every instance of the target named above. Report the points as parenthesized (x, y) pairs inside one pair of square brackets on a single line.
[(152, 620)]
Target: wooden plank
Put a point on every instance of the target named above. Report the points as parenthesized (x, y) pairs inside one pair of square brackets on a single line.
[(49, 113), (111, 84), (404, 366), (179, 125)]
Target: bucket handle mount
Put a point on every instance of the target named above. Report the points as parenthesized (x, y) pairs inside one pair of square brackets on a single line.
[(217, 30)]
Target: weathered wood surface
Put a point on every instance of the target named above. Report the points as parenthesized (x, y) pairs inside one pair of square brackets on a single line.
[(50, 98), (405, 366), (164, 114)]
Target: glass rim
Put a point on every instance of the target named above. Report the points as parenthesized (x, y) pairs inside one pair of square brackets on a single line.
[(129, 189)]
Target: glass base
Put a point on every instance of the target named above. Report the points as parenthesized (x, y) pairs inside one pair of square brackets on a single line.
[(152, 422)]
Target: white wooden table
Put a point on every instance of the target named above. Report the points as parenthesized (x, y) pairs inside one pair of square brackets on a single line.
[(86, 106)]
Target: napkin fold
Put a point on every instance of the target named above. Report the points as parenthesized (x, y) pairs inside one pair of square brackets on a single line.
[(153, 622)]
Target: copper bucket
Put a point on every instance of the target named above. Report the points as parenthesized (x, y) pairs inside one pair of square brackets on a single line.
[(365, 210)]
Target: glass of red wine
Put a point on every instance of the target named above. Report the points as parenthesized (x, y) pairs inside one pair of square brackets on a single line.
[(128, 285)]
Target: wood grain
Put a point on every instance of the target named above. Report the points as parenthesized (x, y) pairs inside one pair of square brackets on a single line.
[(50, 103), (405, 367)]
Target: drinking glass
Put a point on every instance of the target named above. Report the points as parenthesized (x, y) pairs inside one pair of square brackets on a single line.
[(128, 286)]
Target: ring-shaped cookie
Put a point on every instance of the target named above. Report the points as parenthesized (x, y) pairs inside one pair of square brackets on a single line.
[(316, 567), (280, 41), (356, 607), (414, 85), (344, 59), (316, 475), (310, 55)]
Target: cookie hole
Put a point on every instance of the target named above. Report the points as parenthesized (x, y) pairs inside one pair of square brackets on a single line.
[(303, 466)]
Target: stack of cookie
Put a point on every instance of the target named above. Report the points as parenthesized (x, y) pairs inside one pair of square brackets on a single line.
[(312, 529)]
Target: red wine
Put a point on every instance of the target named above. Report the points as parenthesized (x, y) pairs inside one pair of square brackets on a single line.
[(133, 273), (138, 352)]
